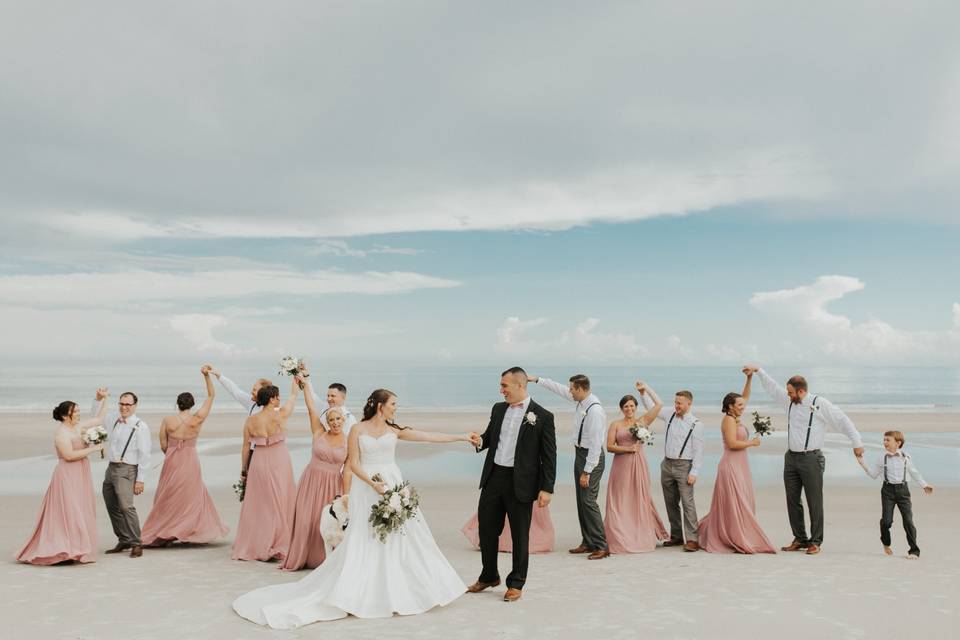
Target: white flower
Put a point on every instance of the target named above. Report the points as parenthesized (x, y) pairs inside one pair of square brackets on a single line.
[(396, 502), (531, 418), (405, 492)]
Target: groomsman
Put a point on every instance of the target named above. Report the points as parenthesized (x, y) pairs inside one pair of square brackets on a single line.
[(682, 455), (803, 465), (247, 400), (336, 397), (128, 448), (588, 439)]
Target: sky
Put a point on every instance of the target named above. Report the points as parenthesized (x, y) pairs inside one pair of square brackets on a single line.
[(424, 182)]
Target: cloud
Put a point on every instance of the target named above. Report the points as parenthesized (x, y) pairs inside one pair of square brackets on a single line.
[(93, 289), (340, 248), (582, 343), (198, 328), (804, 308)]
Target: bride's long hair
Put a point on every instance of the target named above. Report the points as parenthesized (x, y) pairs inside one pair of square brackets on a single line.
[(376, 399)]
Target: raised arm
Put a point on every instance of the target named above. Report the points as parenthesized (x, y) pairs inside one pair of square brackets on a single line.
[(561, 390), (728, 428), (316, 424), (655, 407), (413, 435), (746, 387), (771, 386), (238, 394), (204, 409), (287, 409), (101, 412)]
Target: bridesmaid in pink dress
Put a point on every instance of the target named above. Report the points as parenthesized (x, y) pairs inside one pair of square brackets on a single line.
[(66, 530), (182, 508), (266, 515), (632, 524), (543, 537), (731, 526), (322, 480)]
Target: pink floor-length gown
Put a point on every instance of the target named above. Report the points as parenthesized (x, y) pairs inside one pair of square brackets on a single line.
[(632, 524), (731, 525), (182, 507), (67, 526), (320, 483), (543, 537), (266, 515)]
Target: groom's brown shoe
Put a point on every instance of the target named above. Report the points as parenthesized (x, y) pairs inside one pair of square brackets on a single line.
[(117, 549), (691, 545), (673, 543), (136, 551), (478, 586), (512, 595), (599, 554), (581, 549), (813, 550), (795, 546)]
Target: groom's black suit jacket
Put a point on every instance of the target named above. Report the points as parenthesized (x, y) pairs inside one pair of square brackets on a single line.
[(535, 458)]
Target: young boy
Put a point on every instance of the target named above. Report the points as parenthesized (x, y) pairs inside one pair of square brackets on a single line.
[(894, 464)]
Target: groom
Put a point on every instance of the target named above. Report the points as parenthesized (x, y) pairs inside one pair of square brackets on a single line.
[(521, 466)]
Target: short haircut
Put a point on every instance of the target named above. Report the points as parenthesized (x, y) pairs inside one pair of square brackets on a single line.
[(516, 372), (266, 394), (185, 401), (799, 383), (339, 387), (628, 398), (898, 436), (580, 381), (136, 400), (683, 393)]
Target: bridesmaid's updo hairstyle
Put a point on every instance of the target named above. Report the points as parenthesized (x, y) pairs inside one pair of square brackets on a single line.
[(628, 398), (185, 401), (729, 400), (266, 394), (63, 410)]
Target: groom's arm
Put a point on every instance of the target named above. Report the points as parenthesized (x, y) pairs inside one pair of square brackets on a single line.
[(548, 454)]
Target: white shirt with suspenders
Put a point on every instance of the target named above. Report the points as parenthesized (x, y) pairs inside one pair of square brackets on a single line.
[(683, 436), (895, 467), (589, 423), (128, 441), (807, 421)]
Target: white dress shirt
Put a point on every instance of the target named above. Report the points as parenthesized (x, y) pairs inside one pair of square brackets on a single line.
[(119, 430), (683, 439), (894, 467), (589, 422), (241, 396), (510, 433), (808, 420)]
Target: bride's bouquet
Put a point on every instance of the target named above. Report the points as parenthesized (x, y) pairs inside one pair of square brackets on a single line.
[(763, 425), (290, 366), (642, 434), (94, 436), (397, 505)]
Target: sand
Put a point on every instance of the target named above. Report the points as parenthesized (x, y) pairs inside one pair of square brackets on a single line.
[(850, 590)]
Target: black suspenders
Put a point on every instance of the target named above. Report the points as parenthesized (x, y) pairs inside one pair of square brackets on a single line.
[(580, 433), (806, 442), (666, 436), (129, 438), (885, 478)]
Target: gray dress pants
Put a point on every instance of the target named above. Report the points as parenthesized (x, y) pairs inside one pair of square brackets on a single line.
[(118, 496), (588, 511), (676, 492)]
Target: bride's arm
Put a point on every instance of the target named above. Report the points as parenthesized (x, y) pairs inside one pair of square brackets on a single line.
[(414, 435), (353, 460)]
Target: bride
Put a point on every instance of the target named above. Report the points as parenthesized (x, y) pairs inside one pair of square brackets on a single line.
[(364, 577)]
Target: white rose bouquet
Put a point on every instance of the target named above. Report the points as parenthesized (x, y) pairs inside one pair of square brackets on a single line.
[(94, 436), (397, 505), (290, 366), (642, 434), (763, 425), (240, 488)]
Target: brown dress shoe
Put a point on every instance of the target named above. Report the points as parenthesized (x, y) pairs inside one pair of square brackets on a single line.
[(581, 549), (691, 545), (117, 549), (813, 550), (512, 595), (136, 551), (795, 546), (673, 543), (599, 554), (478, 586)]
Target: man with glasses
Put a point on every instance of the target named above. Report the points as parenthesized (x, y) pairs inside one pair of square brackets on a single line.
[(128, 447)]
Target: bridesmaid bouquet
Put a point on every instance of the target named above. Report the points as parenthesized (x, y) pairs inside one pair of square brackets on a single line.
[(763, 425), (240, 488), (396, 506), (642, 434), (290, 366), (94, 436)]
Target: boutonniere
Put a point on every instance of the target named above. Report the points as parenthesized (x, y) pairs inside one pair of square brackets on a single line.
[(531, 418)]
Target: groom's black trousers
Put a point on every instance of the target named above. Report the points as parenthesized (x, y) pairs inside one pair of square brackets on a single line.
[(498, 499)]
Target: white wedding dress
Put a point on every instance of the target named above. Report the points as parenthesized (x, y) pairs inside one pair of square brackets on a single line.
[(363, 577)]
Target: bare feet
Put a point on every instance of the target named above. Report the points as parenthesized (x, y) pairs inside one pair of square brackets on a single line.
[(912, 556), (888, 551)]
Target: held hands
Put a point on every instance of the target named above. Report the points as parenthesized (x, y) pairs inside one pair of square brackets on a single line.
[(543, 499), (137, 488), (641, 387), (858, 452), (475, 439), (102, 393), (750, 369)]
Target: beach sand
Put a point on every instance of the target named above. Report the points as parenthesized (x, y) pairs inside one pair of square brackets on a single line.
[(851, 590)]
